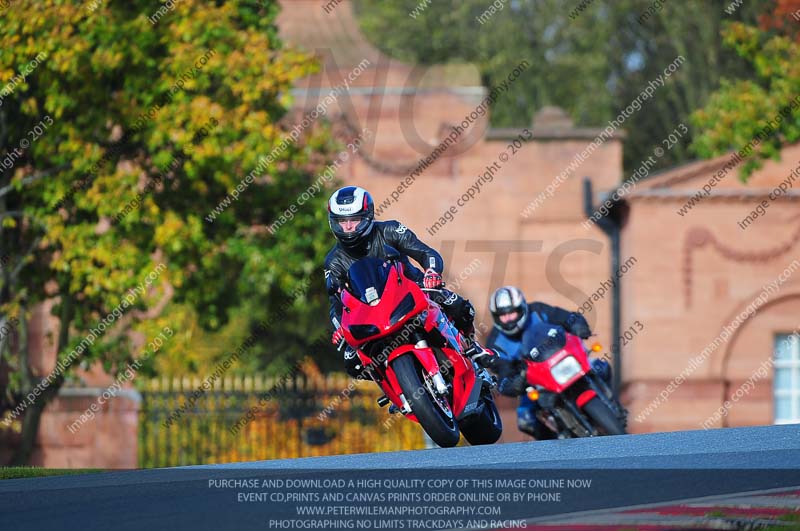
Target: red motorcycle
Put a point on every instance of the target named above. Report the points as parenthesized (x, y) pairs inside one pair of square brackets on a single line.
[(574, 401), (415, 354)]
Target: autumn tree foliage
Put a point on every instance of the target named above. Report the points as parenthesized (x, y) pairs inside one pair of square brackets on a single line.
[(766, 108), (130, 129), (784, 17)]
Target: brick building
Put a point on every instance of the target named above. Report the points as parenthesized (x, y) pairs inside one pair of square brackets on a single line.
[(719, 302)]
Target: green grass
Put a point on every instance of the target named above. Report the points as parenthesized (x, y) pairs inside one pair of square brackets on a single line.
[(17, 472), (794, 518)]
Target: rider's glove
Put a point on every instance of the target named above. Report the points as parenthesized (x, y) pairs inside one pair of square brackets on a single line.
[(432, 279), (514, 386), (337, 336)]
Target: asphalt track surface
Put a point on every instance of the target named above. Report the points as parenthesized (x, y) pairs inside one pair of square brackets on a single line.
[(625, 471)]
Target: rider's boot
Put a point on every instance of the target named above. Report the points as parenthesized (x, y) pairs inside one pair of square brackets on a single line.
[(528, 423), (474, 350), (479, 354)]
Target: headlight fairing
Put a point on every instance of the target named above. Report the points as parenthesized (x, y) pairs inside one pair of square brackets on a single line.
[(566, 369)]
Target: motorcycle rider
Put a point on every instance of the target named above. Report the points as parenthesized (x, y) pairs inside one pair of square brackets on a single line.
[(351, 216), (512, 316)]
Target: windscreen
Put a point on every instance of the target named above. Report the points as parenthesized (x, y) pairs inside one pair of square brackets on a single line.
[(547, 339), (367, 278)]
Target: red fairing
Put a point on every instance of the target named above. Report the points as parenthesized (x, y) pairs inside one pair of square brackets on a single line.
[(463, 379), (463, 375), (585, 397), (379, 315), (437, 319), (433, 316), (540, 373), (425, 356), (578, 389), (390, 385)]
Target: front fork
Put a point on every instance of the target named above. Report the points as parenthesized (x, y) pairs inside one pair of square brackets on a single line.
[(562, 416), (568, 418), (562, 421), (607, 396)]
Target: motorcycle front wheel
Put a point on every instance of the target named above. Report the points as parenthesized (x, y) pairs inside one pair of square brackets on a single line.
[(603, 418), (432, 411), (485, 429)]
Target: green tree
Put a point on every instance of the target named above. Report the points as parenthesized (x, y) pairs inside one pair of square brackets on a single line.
[(592, 62), (569, 65), (646, 40), (170, 108), (766, 108)]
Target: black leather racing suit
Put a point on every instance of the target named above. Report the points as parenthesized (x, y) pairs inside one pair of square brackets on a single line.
[(401, 238)]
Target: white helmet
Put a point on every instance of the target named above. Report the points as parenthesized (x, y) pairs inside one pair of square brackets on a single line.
[(505, 300)]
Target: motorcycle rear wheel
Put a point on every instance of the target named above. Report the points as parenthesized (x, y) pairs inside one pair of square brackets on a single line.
[(603, 418), (485, 429), (439, 426)]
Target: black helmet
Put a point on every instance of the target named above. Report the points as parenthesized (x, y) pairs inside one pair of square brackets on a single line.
[(506, 300), (351, 202)]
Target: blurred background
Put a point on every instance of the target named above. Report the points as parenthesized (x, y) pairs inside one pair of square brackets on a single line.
[(164, 169)]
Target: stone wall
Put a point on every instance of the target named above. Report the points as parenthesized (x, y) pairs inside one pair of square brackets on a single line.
[(109, 440)]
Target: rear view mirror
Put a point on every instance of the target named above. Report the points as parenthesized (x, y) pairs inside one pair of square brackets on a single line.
[(393, 256), (391, 253)]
